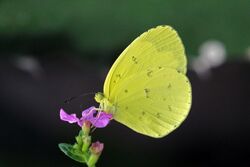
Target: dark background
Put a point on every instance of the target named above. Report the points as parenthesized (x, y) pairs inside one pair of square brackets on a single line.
[(52, 50)]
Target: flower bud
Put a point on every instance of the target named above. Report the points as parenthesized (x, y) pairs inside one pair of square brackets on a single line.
[(95, 150), (86, 127)]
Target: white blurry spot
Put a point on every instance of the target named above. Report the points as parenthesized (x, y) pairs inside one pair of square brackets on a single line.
[(248, 54), (212, 54), (30, 65)]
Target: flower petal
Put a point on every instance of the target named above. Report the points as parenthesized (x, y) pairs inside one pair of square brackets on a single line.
[(88, 113), (101, 120), (80, 122), (71, 118)]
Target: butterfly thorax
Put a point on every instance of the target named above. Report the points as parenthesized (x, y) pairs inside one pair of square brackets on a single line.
[(105, 104)]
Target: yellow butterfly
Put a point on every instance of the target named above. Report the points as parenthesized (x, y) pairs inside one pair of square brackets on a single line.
[(147, 89)]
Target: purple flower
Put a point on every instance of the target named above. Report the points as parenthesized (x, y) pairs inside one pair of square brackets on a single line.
[(98, 119)]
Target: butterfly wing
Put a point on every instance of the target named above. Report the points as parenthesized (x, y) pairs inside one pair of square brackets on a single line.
[(154, 104), (158, 47)]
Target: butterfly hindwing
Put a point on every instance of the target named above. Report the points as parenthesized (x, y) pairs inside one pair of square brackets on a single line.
[(154, 104)]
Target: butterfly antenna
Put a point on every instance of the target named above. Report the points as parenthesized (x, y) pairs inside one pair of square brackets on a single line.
[(75, 97)]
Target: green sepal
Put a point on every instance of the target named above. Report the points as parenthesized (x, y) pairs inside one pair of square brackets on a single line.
[(79, 140), (86, 143), (73, 152), (81, 133)]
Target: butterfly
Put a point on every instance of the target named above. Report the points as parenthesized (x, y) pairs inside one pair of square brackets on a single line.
[(147, 88)]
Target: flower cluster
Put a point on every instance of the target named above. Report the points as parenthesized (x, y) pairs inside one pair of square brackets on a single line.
[(83, 151)]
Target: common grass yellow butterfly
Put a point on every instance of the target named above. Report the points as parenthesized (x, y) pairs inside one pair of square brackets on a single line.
[(147, 88)]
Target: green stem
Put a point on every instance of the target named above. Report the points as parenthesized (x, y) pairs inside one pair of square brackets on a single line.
[(91, 166), (93, 160), (86, 143)]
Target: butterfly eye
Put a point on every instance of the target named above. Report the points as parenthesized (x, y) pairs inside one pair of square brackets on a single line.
[(99, 97)]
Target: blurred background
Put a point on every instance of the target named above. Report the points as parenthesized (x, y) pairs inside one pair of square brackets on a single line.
[(51, 50)]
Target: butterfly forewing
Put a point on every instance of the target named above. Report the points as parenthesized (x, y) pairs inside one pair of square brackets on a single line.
[(159, 47)]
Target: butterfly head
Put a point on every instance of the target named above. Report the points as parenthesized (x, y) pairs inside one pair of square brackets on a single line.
[(105, 104)]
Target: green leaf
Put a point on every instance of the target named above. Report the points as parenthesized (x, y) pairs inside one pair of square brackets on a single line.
[(73, 153)]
